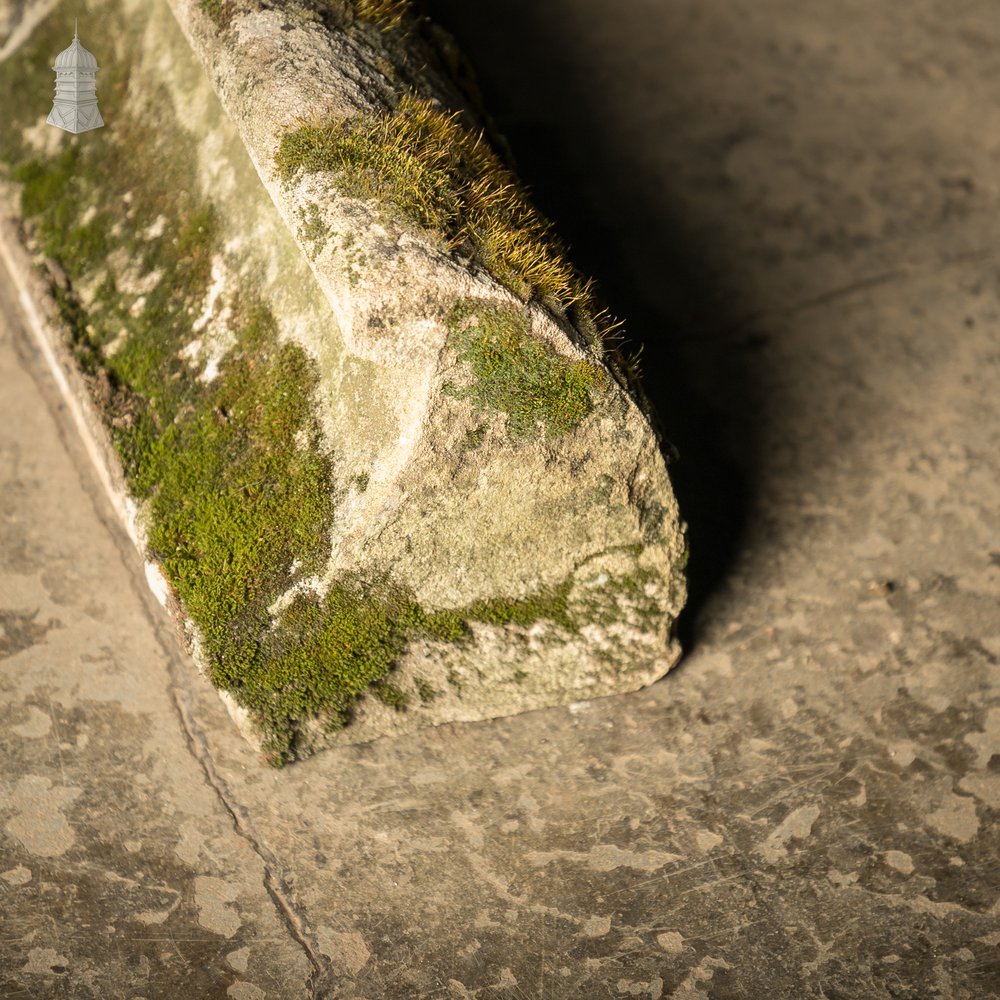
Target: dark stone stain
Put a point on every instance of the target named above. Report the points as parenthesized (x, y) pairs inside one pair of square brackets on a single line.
[(19, 630)]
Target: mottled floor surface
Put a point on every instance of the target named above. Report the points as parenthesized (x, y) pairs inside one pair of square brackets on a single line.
[(797, 204)]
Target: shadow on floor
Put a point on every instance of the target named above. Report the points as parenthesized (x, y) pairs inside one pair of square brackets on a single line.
[(629, 226)]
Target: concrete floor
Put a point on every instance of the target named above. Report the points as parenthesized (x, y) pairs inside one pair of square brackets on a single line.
[(796, 204)]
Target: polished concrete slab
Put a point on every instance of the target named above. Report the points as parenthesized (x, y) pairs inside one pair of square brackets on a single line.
[(796, 206)]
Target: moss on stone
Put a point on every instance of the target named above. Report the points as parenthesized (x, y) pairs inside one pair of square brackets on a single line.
[(237, 485), (621, 596), (444, 626), (474, 438), (234, 503), (47, 193), (444, 177), (390, 694), (220, 11), (548, 604), (425, 690), (684, 558), (313, 232), (387, 14), (517, 374), (420, 162)]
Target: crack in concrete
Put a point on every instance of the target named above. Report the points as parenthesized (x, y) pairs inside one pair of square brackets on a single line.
[(322, 982)]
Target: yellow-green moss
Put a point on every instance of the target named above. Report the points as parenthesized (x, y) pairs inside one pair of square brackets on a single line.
[(474, 438), (237, 484), (519, 375), (445, 177), (390, 694), (422, 162), (549, 604), (220, 11), (445, 626), (684, 558), (387, 14)]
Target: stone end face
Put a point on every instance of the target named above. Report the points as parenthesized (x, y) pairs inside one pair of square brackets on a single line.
[(385, 489)]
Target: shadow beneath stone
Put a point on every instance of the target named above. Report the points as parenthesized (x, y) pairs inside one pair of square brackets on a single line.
[(633, 227)]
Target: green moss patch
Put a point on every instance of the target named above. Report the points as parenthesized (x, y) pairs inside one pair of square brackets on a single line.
[(425, 690), (389, 694), (386, 14), (549, 604), (519, 375), (422, 164), (236, 481)]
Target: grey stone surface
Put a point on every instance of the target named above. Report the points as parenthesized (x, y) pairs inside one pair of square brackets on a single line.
[(808, 807)]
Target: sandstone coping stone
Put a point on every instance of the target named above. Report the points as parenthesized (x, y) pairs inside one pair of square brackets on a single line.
[(471, 566)]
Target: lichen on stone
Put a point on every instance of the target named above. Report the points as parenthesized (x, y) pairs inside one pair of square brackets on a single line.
[(313, 232)]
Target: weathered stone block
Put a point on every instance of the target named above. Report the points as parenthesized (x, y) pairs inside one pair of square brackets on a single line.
[(381, 452)]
